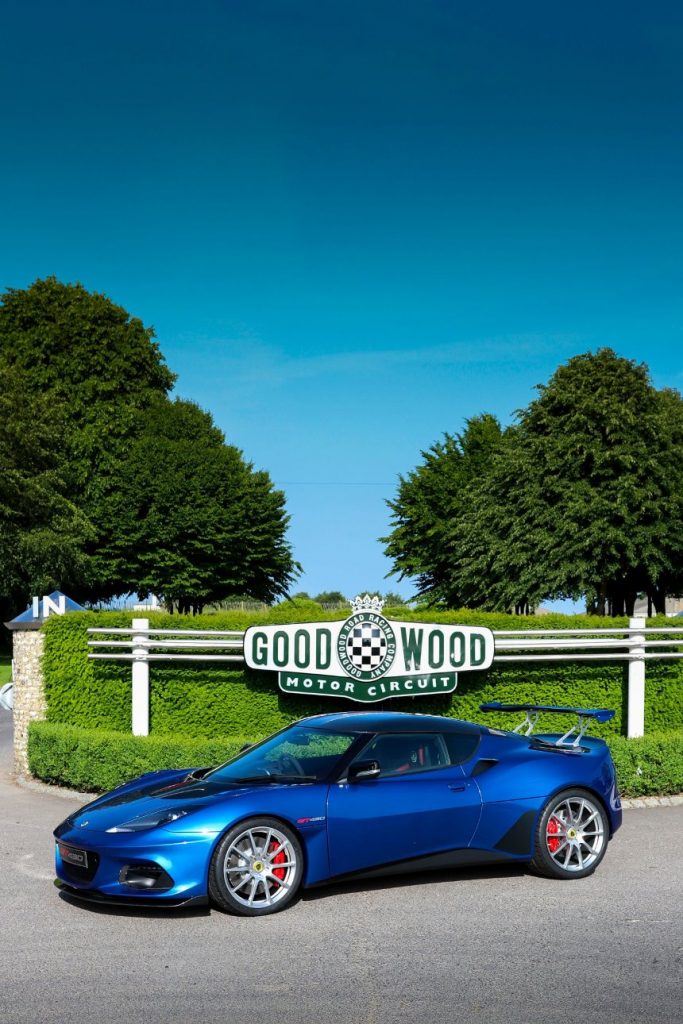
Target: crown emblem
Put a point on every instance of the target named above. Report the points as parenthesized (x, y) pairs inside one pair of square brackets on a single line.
[(367, 604)]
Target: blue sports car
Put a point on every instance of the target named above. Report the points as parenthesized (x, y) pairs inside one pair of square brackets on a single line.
[(348, 794)]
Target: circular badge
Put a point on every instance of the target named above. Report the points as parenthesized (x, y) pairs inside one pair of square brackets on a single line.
[(366, 646)]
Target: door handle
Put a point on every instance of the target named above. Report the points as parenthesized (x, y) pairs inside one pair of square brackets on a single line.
[(457, 787)]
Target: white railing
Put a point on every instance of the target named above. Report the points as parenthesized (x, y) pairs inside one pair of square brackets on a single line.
[(634, 644), (629, 643)]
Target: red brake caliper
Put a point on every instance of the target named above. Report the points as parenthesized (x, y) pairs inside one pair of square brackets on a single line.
[(553, 835), (279, 858)]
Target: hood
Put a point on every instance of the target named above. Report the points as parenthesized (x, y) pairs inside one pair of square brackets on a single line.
[(162, 791), (158, 790)]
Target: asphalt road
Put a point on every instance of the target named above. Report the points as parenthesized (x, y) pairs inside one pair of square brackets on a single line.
[(499, 946)]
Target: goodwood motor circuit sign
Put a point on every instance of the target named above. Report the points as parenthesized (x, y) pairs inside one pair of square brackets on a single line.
[(368, 657)]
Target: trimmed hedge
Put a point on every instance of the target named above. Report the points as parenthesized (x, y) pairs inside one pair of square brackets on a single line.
[(649, 765), (93, 760), (212, 700)]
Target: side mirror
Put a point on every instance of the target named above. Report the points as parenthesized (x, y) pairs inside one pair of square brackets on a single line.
[(360, 771)]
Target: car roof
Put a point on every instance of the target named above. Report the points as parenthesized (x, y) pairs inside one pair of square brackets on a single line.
[(389, 721)]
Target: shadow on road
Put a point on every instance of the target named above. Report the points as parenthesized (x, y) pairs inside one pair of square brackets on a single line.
[(108, 910), (415, 878), (315, 894)]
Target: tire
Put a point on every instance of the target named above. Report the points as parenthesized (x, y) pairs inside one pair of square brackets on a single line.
[(257, 868), (572, 835)]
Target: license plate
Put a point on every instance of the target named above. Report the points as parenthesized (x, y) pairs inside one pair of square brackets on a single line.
[(71, 856)]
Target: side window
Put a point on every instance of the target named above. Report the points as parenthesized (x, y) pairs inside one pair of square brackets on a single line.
[(409, 752), (461, 745)]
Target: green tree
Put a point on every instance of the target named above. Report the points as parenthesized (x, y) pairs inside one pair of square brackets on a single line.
[(93, 369), (582, 497), (42, 533), (158, 500), (665, 576), (331, 597), (190, 520), (430, 507), (494, 552), (79, 349), (592, 496), (82, 347)]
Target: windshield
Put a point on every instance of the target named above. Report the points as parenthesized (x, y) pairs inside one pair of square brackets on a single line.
[(301, 754)]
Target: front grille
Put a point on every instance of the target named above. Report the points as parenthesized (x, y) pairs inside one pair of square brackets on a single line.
[(80, 874)]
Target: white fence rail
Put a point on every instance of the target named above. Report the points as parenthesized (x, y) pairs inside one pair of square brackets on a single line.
[(634, 644)]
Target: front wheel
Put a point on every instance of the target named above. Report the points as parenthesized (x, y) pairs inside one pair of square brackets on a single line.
[(571, 838), (256, 868)]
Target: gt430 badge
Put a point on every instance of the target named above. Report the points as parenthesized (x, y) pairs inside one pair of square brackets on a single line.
[(368, 657)]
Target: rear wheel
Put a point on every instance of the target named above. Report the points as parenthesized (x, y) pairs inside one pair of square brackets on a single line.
[(571, 838), (256, 868)]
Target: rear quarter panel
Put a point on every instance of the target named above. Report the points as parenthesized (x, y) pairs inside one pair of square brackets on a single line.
[(517, 788)]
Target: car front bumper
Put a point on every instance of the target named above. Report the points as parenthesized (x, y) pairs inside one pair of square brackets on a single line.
[(145, 868)]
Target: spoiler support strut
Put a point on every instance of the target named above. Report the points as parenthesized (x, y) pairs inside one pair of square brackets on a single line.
[(572, 737)]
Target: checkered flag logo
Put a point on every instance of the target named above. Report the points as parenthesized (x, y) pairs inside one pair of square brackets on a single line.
[(366, 646)]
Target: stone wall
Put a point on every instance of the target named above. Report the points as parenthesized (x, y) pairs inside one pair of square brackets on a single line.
[(28, 693)]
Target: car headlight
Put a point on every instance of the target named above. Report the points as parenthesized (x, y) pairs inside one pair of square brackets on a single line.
[(154, 819)]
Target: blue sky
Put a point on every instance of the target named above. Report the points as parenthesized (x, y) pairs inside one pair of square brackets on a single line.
[(353, 225)]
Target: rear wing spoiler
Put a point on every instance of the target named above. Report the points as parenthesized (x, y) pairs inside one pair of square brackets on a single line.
[(573, 737)]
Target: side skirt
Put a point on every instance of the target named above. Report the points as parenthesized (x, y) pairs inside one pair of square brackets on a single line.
[(430, 862)]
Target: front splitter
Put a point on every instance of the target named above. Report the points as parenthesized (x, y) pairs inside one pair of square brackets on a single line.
[(94, 896)]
